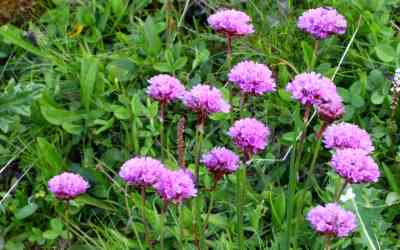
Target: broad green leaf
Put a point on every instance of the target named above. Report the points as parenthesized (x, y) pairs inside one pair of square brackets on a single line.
[(385, 52), (307, 53), (57, 116), (377, 98), (50, 154), (26, 211), (153, 41), (89, 68)]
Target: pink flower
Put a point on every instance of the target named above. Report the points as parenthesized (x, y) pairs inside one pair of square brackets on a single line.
[(67, 186), (331, 110), (355, 166), (249, 135), (231, 22), (322, 22), (165, 88), (141, 171), (331, 219), (346, 135), (311, 88), (252, 78), (176, 186), (205, 99), (221, 161)]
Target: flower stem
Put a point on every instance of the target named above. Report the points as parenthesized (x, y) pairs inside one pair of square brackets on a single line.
[(181, 226), (315, 54), (240, 175), (162, 225), (196, 201), (290, 198), (146, 225), (327, 242), (229, 50), (210, 206), (66, 215), (162, 136)]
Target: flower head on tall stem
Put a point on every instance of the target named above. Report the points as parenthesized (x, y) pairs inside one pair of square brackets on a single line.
[(231, 22), (355, 166), (205, 100), (346, 135), (220, 161), (176, 186), (252, 78), (67, 186), (142, 171), (332, 220), (165, 88), (311, 89), (322, 22), (249, 135)]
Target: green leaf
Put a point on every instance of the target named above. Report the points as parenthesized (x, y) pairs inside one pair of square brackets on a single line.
[(26, 211), (163, 67), (50, 155), (153, 41), (357, 101), (180, 63), (56, 225), (51, 235), (377, 98), (392, 198), (385, 52), (88, 200), (89, 68), (57, 116)]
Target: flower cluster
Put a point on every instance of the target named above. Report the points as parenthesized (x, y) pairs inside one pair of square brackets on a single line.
[(252, 78), (231, 22), (173, 186), (312, 89), (176, 186), (205, 99), (355, 166), (331, 110), (142, 171), (67, 186), (221, 161), (249, 135), (331, 219), (322, 22), (346, 135), (165, 88)]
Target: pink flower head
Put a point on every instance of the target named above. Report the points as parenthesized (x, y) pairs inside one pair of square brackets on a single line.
[(141, 171), (165, 88), (67, 186), (205, 99), (249, 135), (355, 166), (231, 22), (221, 161), (331, 110), (346, 135), (333, 220), (311, 88), (176, 186), (322, 22), (252, 78)]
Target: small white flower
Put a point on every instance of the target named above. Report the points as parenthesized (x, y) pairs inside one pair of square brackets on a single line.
[(349, 195)]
